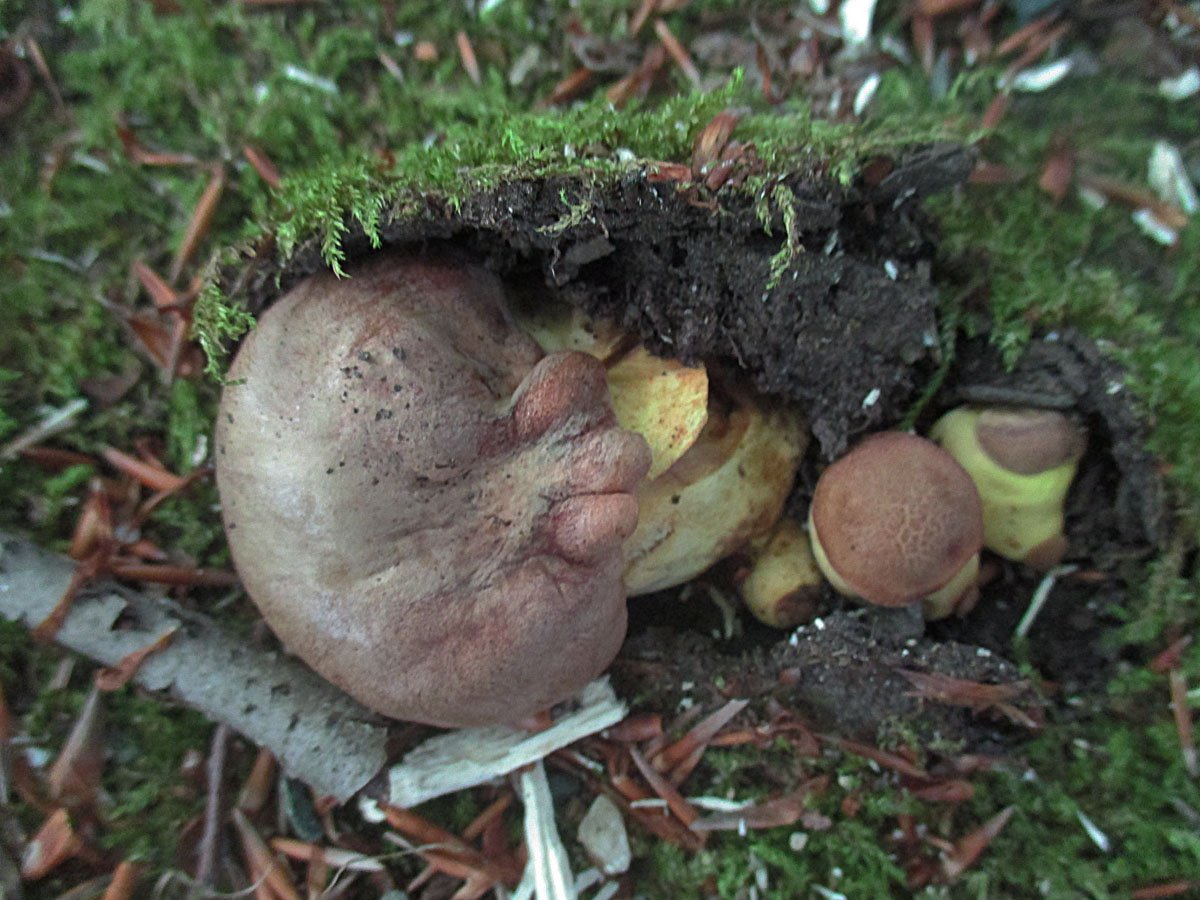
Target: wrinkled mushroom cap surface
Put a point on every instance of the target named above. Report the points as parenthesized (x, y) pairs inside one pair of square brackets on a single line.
[(896, 518), (425, 508)]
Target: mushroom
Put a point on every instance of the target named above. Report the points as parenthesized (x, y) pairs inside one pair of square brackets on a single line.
[(722, 464), (897, 521), (1022, 461), (427, 508), (782, 585), (727, 489), (663, 400)]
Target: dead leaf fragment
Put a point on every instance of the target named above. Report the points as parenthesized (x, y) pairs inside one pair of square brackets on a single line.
[(74, 778), (969, 847), (54, 843)]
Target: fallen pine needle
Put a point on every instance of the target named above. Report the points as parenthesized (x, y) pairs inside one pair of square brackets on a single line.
[(636, 728), (154, 573), (202, 216), (677, 52), (1182, 713), (1040, 596), (485, 818), (470, 62), (882, 757), (1171, 657), (676, 802), (1164, 889), (261, 163), (785, 810), (259, 782), (699, 735), (334, 856), (261, 862), (74, 778), (54, 843), (953, 791), (123, 882), (122, 673), (53, 422), (147, 474), (570, 87), (161, 294), (968, 848)]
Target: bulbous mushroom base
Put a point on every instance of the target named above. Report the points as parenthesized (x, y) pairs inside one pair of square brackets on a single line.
[(425, 509)]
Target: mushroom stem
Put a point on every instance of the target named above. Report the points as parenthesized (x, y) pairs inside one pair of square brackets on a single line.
[(958, 595), (1022, 461), (784, 583)]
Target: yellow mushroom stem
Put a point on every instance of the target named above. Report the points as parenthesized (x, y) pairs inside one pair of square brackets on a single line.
[(1023, 492), (958, 595), (783, 584)]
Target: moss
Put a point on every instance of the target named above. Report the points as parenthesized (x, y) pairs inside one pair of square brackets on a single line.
[(1128, 780), (348, 194), (217, 325), (142, 775), (190, 413)]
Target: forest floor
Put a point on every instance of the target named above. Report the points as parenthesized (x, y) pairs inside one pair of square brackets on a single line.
[(141, 140)]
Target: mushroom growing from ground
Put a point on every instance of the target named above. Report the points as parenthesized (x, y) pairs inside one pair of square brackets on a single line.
[(427, 508), (782, 584), (897, 521), (1022, 461), (727, 489), (722, 464)]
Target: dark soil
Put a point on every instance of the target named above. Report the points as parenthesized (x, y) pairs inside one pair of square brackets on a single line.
[(849, 333)]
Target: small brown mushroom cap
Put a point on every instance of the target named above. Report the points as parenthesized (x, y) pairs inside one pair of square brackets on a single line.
[(1029, 441), (895, 519)]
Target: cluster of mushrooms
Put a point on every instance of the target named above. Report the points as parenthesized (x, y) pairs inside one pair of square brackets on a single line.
[(440, 496)]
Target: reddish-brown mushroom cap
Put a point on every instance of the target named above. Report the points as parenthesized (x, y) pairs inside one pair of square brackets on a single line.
[(425, 508), (896, 518), (1029, 441)]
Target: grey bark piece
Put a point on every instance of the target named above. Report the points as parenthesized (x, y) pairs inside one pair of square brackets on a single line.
[(470, 756), (318, 733)]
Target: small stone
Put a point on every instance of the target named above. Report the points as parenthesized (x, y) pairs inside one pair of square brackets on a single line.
[(602, 834)]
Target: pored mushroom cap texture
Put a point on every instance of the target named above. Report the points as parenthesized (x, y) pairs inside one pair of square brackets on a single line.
[(427, 509), (897, 518)]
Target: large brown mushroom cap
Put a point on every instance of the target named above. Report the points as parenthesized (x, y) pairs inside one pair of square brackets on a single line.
[(896, 518), (425, 508)]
